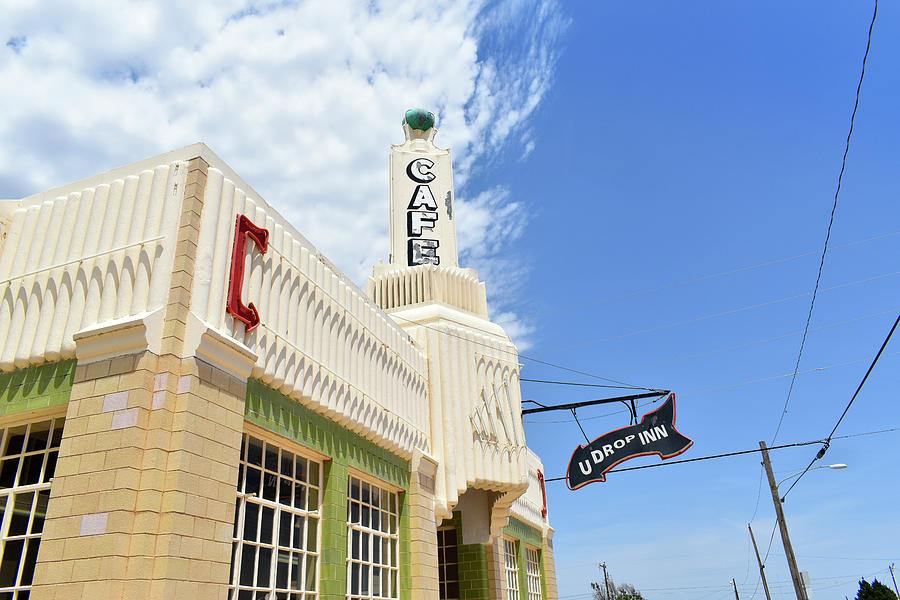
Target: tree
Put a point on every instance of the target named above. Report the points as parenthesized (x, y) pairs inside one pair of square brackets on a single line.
[(874, 591), (624, 591)]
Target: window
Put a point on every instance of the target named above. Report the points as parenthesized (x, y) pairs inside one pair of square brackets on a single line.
[(372, 515), (533, 573), (448, 564), (275, 553), (29, 455), (511, 566)]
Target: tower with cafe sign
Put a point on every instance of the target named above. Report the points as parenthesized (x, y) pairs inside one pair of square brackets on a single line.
[(423, 231)]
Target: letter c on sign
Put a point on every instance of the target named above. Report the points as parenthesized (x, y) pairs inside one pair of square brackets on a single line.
[(418, 170), (243, 229)]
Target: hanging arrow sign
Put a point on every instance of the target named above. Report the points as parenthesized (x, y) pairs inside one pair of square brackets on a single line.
[(656, 434)]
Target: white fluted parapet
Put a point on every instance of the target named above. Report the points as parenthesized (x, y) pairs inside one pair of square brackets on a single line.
[(397, 287), (321, 340), (94, 252)]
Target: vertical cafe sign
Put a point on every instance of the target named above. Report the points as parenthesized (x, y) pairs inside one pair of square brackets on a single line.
[(422, 228), (422, 215)]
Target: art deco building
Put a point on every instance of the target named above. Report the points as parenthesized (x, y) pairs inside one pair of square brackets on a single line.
[(195, 403)]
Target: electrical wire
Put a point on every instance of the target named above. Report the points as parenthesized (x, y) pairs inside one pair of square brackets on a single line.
[(755, 342), (716, 315), (721, 388), (738, 453), (837, 191), (573, 383), (522, 356), (699, 458), (692, 280), (774, 377), (827, 441)]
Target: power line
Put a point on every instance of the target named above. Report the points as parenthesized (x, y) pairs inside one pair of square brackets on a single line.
[(827, 441), (692, 280), (837, 191), (522, 356), (573, 383), (725, 387), (699, 458), (717, 314), (738, 453), (774, 377), (755, 342)]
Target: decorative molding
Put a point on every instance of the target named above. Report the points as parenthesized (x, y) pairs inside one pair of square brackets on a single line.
[(219, 350), (129, 335)]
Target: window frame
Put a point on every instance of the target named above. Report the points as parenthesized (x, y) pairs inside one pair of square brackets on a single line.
[(511, 570), (443, 590), (533, 578), (390, 570), (29, 538), (275, 546)]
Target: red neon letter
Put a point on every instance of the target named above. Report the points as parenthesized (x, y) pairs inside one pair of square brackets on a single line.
[(543, 494), (243, 229)]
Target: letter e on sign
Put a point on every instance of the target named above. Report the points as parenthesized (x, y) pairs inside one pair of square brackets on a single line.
[(243, 229)]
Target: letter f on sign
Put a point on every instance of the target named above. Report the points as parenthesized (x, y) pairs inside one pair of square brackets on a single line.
[(243, 229)]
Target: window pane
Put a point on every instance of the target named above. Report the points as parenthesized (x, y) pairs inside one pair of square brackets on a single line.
[(8, 473), (263, 567), (287, 463), (251, 520), (281, 569), (265, 530), (312, 535), (253, 479), (254, 452), (40, 511), (18, 524), (31, 469), (271, 458), (9, 565), (15, 436), (30, 561)]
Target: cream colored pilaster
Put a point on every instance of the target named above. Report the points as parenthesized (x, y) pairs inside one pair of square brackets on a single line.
[(423, 528), (550, 586), (496, 571)]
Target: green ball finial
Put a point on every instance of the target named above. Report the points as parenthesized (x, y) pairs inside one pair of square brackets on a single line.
[(419, 118)]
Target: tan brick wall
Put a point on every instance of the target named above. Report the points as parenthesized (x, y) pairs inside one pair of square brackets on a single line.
[(422, 530), (549, 569), (496, 574), (142, 502)]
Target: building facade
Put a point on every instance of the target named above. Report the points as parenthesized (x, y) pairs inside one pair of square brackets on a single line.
[(195, 403)]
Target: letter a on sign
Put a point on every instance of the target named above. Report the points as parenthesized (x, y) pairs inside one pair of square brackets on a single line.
[(243, 229)]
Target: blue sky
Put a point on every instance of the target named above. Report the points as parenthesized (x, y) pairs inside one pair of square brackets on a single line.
[(613, 161)]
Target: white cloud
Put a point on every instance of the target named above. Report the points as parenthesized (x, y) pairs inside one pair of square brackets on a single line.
[(301, 99)]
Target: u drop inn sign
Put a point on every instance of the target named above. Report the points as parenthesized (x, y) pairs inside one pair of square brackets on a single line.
[(655, 434)]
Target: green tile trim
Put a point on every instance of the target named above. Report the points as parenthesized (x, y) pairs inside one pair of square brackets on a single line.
[(277, 413), (36, 387), (523, 532), (474, 581), (526, 534)]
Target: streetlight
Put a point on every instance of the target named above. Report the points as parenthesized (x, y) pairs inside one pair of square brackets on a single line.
[(799, 588), (834, 466)]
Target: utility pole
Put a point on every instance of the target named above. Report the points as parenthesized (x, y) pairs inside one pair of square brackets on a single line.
[(894, 580), (734, 583), (606, 581), (762, 572), (782, 525)]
